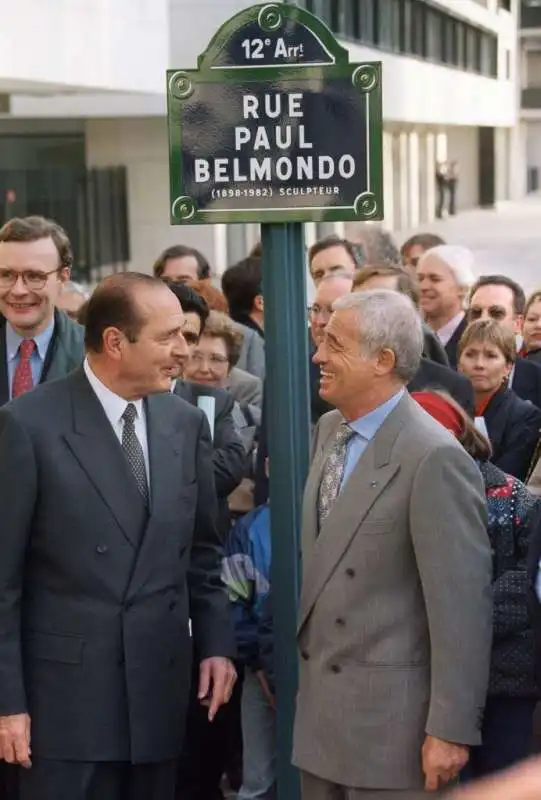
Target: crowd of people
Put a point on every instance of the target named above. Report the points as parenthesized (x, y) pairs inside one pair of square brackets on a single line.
[(136, 627)]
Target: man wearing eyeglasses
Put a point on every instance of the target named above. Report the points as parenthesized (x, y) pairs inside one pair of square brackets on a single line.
[(37, 341)]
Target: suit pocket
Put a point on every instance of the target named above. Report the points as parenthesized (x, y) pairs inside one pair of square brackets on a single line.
[(54, 647), (371, 526)]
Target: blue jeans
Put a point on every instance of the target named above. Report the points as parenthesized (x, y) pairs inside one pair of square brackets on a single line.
[(258, 735), (507, 737)]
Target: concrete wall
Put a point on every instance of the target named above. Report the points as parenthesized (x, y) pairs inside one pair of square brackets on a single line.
[(84, 44), (462, 147), (141, 145)]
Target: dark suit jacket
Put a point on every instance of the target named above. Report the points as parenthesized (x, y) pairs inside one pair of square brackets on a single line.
[(229, 456), (95, 590), (451, 348), (513, 427), (433, 348), (435, 376), (65, 353), (527, 380)]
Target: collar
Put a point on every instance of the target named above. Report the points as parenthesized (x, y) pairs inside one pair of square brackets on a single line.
[(42, 340), (367, 426), (445, 333), (113, 404)]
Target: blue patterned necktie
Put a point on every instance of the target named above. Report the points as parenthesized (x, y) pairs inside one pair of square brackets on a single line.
[(134, 452), (333, 471)]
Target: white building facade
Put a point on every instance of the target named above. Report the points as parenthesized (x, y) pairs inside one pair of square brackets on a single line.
[(451, 91), (530, 84)]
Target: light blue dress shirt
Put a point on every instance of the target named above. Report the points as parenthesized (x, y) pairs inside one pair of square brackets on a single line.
[(37, 359), (365, 429)]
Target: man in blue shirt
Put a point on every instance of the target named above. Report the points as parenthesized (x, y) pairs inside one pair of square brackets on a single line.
[(37, 342)]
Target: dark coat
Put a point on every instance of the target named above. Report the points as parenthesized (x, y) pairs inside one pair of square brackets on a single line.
[(527, 381), (513, 427), (512, 511), (433, 349), (65, 353), (451, 348), (533, 355), (435, 376), (534, 601), (229, 456), (96, 591)]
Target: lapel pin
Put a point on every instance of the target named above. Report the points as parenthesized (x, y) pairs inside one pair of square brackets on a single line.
[(373, 484)]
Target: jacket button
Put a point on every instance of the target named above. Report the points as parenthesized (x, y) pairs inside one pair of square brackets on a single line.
[(304, 655), (340, 622), (336, 668), (350, 572), (102, 549)]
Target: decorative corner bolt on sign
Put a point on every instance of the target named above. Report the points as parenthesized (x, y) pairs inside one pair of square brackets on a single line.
[(275, 125)]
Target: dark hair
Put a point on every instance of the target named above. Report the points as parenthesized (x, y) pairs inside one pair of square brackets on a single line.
[(81, 313), (519, 298), (256, 251), (424, 240), (354, 251), (181, 251), (405, 283), (32, 229), (190, 300), (113, 305), (241, 284)]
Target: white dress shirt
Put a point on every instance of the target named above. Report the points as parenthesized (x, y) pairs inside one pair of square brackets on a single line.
[(445, 333), (114, 407)]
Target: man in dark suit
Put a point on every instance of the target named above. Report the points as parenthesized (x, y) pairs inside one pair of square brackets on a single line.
[(109, 548), (37, 342), (229, 455), (500, 298)]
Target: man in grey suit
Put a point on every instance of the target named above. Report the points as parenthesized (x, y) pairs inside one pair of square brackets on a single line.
[(109, 546), (395, 614)]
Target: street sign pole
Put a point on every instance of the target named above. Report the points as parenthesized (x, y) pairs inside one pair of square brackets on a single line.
[(287, 401), (277, 127)]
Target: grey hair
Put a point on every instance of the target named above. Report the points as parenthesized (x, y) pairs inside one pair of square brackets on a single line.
[(387, 321), (459, 259)]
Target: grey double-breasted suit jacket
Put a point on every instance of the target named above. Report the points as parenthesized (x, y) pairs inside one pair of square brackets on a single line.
[(395, 614)]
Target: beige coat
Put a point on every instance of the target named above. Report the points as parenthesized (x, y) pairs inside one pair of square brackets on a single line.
[(395, 616)]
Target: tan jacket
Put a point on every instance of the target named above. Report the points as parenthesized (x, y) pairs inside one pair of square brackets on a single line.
[(395, 620)]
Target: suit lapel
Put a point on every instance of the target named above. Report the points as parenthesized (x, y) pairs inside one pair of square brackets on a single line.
[(4, 379), (165, 448), (97, 449), (367, 483)]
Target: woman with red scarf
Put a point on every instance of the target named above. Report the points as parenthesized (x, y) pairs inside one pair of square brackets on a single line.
[(486, 355), (512, 693)]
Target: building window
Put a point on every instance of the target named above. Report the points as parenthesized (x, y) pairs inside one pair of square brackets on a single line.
[(412, 27)]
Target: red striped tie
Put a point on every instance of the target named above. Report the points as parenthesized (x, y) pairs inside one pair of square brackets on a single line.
[(22, 379)]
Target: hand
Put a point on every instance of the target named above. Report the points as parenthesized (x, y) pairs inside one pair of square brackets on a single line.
[(520, 783), (269, 697), (442, 761), (15, 740), (217, 678)]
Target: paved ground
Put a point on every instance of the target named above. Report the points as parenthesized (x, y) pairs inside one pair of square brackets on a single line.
[(507, 240)]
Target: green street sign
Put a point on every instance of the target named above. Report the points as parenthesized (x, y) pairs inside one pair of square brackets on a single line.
[(275, 125)]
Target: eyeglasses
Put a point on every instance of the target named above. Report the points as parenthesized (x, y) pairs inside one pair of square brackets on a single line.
[(214, 361), (32, 278), (320, 311)]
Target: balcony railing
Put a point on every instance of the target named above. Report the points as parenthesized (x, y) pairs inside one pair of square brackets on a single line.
[(531, 98)]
